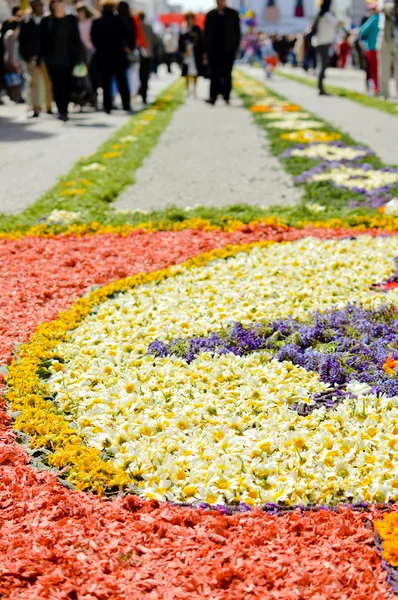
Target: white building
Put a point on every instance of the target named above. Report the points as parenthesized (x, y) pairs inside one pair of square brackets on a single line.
[(281, 15)]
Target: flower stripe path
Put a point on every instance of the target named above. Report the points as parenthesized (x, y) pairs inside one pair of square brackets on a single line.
[(60, 544), (370, 127), (42, 276), (362, 178)]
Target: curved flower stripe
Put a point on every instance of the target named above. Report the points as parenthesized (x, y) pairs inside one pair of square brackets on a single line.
[(340, 345), (175, 445), (273, 105), (95, 228), (293, 124), (290, 116), (359, 178), (308, 136), (387, 529), (384, 222), (334, 151), (39, 418)]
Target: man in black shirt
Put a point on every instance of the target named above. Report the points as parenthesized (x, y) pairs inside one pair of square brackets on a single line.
[(110, 38), (222, 32)]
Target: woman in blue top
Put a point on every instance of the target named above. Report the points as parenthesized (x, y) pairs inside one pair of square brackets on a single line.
[(369, 33)]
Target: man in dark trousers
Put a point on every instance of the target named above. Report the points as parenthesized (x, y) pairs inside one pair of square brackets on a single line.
[(222, 32), (110, 40)]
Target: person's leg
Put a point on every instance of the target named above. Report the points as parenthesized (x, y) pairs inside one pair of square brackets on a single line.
[(323, 52), (168, 62), (94, 78), (55, 84), (384, 64), (371, 56), (34, 86), (48, 92), (195, 81), (228, 64), (65, 83), (122, 84), (215, 80), (313, 59), (106, 77), (145, 70), (396, 70)]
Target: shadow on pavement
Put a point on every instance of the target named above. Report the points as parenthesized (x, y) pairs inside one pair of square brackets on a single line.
[(19, 131)]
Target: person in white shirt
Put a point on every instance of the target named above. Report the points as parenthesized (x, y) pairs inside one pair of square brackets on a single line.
[(170, 45), (325, 30)]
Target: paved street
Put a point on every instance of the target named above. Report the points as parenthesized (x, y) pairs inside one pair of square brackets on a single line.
[(210, 155), (372, 127), (46, 148)]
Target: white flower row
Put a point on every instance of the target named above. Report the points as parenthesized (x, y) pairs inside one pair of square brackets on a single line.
[(329, 152), (221, 429), (353, 177), (291, 123)]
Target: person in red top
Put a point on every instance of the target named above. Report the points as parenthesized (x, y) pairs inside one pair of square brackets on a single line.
[(140, 40), (344, 51)]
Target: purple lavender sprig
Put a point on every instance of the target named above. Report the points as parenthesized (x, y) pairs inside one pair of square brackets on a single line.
[(340, 345)]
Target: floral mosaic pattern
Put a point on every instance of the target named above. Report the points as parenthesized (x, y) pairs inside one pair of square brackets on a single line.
[(238, 379), (309, 136), (296, 124), (332, 151), (108, 373), (362, 178)]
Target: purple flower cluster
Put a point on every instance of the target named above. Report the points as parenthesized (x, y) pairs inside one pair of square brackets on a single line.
[(371, 200), (340, 345), (366, 151), (307, 176)]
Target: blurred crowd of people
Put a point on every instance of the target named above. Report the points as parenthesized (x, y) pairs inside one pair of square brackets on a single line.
[(67, 54), (62, 55), (372, 46), (58, 56)]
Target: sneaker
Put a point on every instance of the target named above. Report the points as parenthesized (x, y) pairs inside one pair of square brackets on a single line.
[(210, 101), (323, 93), (50, 111), (33, 114), (63, 117)]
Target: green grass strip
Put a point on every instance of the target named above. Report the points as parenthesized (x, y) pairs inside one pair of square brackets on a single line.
[(90, 193), (334, 201), (386, 106)]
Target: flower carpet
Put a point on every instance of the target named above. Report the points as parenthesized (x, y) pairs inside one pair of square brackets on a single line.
[(201, 407)]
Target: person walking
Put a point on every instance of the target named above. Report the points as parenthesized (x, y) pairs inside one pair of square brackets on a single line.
[(110, 40), (60, 50), (386, 46), (147, 56), (29, 45), (396, 47), (90, 83), (191, 49), (12, 64), (223, 35), (123, 10), (344, 51), (369, 33), (5, 15), (170, 45), (324, 35)]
